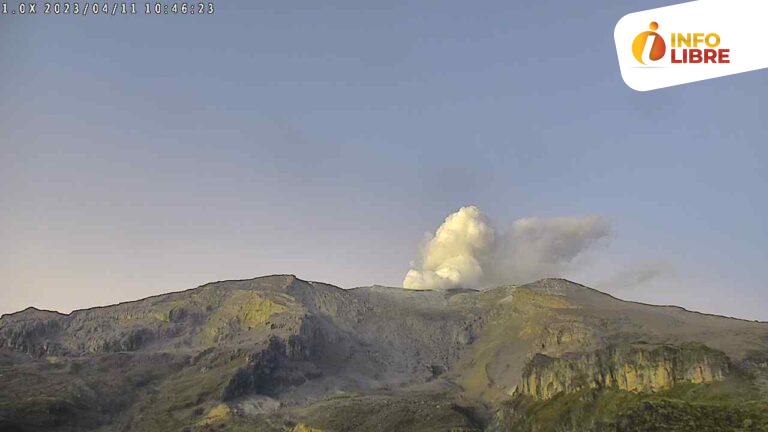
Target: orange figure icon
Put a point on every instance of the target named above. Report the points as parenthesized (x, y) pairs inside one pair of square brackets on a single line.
[(658, 46)]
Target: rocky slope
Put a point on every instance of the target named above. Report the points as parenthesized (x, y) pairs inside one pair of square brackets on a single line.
[(277, 354), (636, 368)]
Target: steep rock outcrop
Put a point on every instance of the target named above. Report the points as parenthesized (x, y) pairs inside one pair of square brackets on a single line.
[(276, 366), (32, 332), (638, 368)]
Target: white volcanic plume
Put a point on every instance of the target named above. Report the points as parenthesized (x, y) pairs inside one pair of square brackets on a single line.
[(457, 255), (466, 251)]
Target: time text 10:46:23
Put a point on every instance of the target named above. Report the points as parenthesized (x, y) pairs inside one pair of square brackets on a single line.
[(106, 8)]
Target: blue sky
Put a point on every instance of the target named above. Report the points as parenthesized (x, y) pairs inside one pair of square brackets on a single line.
[(144, 154)]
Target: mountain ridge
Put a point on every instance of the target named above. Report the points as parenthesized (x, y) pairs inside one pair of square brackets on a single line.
[(277, 352), (684, 309)]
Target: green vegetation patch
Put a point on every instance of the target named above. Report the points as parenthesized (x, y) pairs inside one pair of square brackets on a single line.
[(725, 406)]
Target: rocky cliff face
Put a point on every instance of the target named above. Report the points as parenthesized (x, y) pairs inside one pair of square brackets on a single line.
[(277, 352), (29, 332), (635, 368)]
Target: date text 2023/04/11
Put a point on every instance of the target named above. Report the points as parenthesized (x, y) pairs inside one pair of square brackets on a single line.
[(106, 8)]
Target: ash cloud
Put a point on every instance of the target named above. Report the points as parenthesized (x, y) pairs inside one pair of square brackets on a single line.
[(467, 251)]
